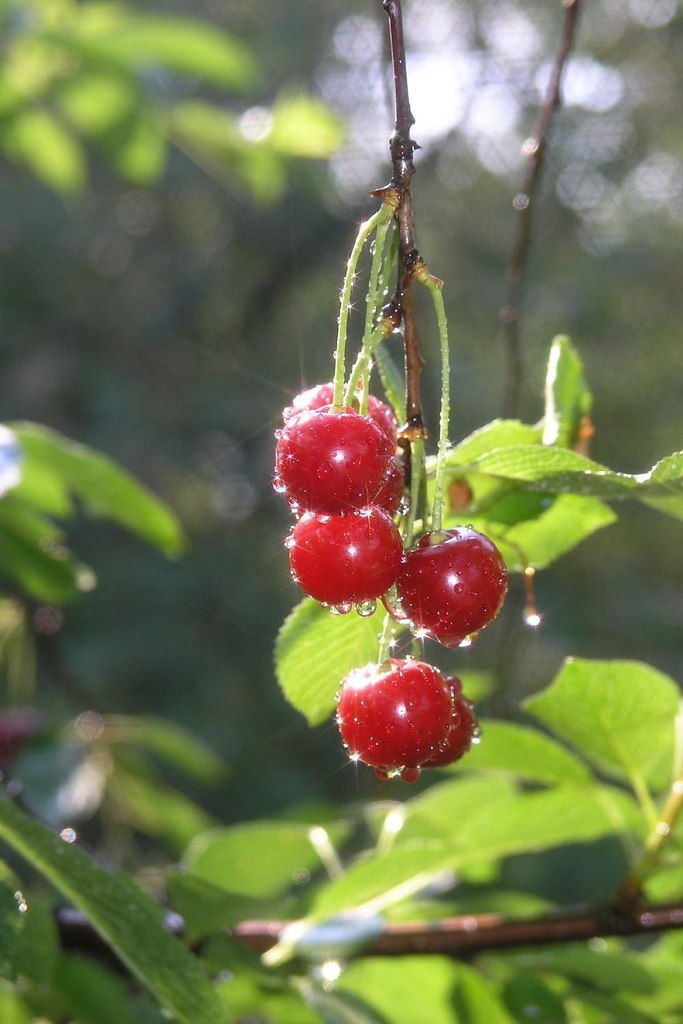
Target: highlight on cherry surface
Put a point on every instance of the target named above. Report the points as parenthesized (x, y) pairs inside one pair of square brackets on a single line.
[(401, 716), (451, 584)]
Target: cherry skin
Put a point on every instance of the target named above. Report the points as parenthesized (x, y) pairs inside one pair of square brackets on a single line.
[(462, 731), (323, 394), (331, 462), (345, 559), (453, 587), (394, 717), (390, 493)]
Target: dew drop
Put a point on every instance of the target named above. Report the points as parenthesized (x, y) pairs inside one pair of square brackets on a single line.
[(476, 734), (278, 486), (404, 506), (366, 608), (340, 609), (410, 774)]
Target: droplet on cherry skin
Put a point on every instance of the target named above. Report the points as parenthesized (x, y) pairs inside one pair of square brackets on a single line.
[(339, 609)]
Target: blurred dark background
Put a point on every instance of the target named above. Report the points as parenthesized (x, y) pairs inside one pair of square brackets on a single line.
[(168, 322)]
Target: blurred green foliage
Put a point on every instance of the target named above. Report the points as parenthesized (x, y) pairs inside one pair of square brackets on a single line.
[(177, 281)]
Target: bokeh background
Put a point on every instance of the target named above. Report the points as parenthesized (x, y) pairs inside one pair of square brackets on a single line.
[(165, 312)]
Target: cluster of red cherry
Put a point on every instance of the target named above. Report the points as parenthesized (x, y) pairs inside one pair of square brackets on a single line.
[(340, 473)]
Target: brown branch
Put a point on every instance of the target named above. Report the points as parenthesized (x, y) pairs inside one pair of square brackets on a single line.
[(524, 203), (460, 937), (464, 937), (402, 147)]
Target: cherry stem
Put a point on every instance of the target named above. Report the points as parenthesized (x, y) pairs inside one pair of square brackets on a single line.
[(664, 820), (364, 232), (434, 286), (524, 203), (371, 338)]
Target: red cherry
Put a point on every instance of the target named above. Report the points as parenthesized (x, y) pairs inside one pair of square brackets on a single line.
[(331, 462), (453, 587), (346, 558), (390, 493), (462, 731), (323, 394), (394, 717)]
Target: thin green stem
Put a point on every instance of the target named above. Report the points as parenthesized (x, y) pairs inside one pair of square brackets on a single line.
[(363, 358), (434, 287), (664, 821), (364, 232), (417, 469), (647, 804)]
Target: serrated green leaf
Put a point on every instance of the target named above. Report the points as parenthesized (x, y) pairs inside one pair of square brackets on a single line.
[(260, 859), (314, 650), (103, 487), (561, 471), (618, 714), (494, 435), (405, 990), (523, 753), (567, 398), (440, 811), (124, 916), (542, 539)]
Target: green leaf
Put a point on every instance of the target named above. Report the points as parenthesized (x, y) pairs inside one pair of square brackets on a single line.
[(38, 949), (528, 999), (610, 971), (136, 146), (155, 809), (406, 991), (494, 435), (315, 650), (524, 753), (338, 1007), (168, 741), (205, 908), (259, 859), (36, 138), (303, 127), (125, 918), (618, 714), (212, 137), (567, 398), (440, 811), (392, 382), (13, 1010), (103, 487), (185, 45), (522, 823), (31, 554), (541, 540), (561, 471), (12, 921), (476, 1001), (91, 993), (97, 101)]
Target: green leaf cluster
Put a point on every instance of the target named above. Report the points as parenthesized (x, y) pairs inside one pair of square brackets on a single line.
[(79, 76)]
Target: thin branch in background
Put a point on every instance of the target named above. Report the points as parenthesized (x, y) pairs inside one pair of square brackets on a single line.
[(524, 205), (465, 937), (460, 937), (402, 148)]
